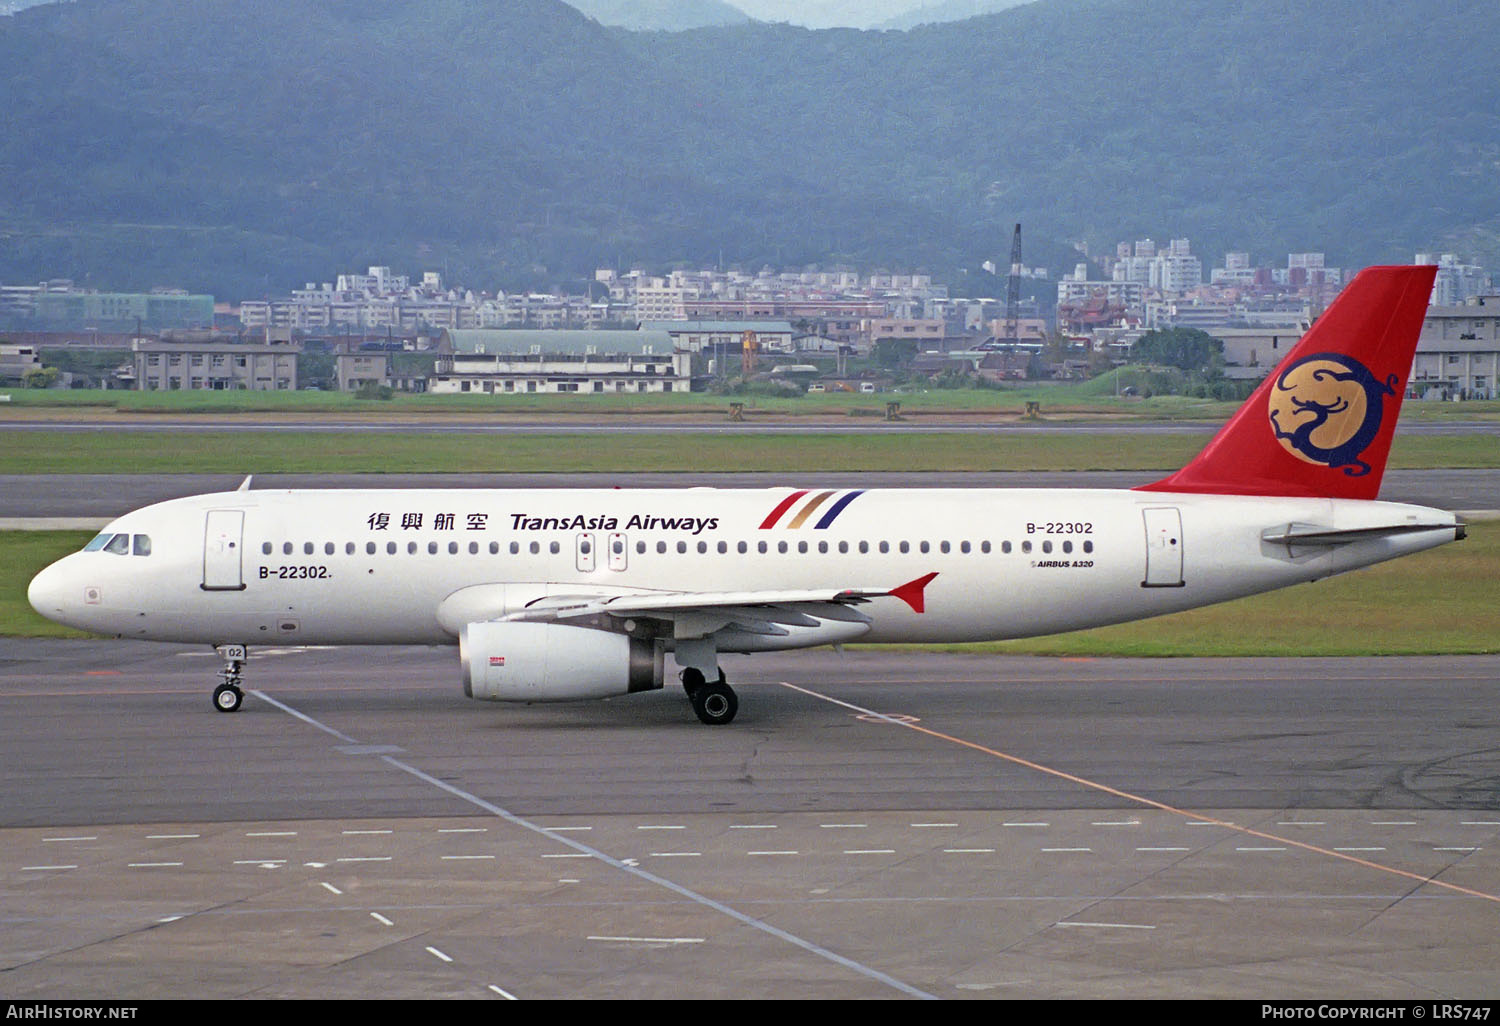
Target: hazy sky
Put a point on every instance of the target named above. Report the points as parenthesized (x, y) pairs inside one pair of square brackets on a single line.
[(825, 13)]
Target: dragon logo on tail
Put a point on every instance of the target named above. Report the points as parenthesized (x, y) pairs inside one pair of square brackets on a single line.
[(1326, 409)]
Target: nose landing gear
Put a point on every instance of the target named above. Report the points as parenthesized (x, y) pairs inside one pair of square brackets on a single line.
[(228, 696)]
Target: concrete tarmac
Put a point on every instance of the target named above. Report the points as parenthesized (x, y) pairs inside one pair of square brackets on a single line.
[(874, 824)]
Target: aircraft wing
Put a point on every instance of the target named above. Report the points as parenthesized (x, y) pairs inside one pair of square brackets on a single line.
[(755, 611)]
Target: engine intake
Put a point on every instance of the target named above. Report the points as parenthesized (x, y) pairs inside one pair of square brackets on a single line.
[(549, 662)]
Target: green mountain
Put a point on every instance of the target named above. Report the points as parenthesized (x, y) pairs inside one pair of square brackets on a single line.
[(936, 11), (244, 149)]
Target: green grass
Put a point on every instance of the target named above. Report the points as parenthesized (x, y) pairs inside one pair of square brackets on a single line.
[(193, 450), (1445, 601), (22, 554), (1441, 602)]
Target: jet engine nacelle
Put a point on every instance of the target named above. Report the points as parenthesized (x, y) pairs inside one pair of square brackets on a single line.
[(549, 662)]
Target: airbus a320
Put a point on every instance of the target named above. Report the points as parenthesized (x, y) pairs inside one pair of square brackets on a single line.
[(564, 594)]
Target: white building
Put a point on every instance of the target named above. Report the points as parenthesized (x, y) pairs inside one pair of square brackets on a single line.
[(521, 362)]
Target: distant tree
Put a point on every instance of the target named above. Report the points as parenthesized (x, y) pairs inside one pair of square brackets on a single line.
[(894, 352), (1188, 349), (46, 377)]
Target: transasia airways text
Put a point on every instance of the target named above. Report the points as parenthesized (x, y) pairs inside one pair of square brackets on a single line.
[(635, 522)]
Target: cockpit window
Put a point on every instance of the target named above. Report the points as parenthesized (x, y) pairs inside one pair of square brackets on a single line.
[(98, 543), (119, 545), (141, 545)]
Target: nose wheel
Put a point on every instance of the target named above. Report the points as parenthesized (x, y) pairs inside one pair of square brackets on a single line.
[(228, 696)]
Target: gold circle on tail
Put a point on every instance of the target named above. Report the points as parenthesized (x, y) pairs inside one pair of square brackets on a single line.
[(1317, 404)]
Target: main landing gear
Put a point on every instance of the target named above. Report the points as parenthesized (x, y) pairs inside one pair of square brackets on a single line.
[(228, 696), (714, 702)]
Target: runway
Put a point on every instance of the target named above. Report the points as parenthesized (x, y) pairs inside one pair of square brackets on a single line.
[(874, 824)]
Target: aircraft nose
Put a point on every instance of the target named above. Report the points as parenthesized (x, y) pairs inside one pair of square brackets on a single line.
[(48, 590)]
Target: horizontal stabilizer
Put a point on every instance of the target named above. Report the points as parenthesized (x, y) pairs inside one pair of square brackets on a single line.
[(1300, 539)]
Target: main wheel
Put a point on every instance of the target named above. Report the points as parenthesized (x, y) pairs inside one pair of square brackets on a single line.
[(715, 703), (227, 697)]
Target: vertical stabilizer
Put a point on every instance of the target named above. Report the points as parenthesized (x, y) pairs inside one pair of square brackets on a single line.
[(1321, 423)]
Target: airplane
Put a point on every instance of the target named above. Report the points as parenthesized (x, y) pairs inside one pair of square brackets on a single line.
[(566, 594)]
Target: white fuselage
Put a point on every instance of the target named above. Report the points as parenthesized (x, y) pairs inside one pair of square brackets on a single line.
[(395, 567)]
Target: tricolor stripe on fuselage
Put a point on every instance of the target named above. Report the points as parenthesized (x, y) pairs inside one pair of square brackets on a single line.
[(810, 507)]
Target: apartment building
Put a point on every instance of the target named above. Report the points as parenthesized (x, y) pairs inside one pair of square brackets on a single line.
[(1458, 354), (172, 366)]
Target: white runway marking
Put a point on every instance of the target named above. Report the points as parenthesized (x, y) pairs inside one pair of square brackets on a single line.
[(649, 940), (623, 866)]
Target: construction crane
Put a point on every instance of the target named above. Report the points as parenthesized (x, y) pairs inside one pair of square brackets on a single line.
[(1013, 290)]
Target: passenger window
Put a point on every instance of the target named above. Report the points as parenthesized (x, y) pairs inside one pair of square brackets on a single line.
[(494, 548), (473, 548), (556, 548), (761, 547), (536, 547), (781, 547), (390, 548), (119, 545), (943, 547), (864, 547), (286, 549), (328, 548), (307, 548), (743, 548), (802, 546), (515, 548), (843, 546), (963, 547), (905, 547), (370, 548), (1026, 546), (1088, 546), (661, 548), (265, 548), (411, 548), (681, 547), (348, 548), (923, 546), (885, 546), (453, 548), (432, 548)]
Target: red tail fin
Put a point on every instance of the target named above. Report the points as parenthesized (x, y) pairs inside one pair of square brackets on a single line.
[(1321, 424)]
